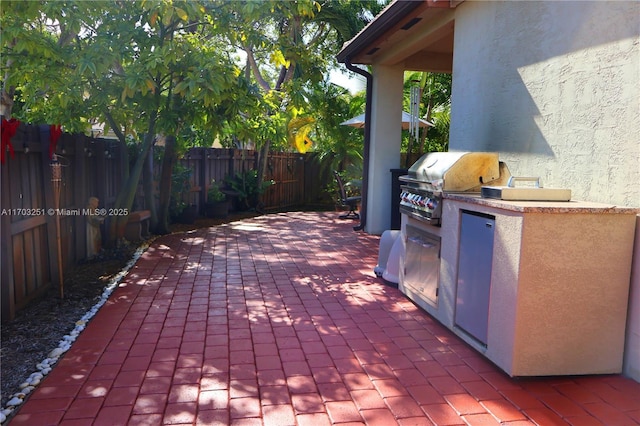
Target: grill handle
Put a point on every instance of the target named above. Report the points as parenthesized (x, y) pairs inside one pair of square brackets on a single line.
[(513, 179)]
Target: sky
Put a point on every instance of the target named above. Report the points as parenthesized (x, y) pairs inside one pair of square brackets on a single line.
[(347, 79)]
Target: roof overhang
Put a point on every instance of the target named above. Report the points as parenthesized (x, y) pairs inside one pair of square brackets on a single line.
[(415, 33)]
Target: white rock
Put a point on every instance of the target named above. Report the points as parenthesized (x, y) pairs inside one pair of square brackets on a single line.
[(15, 401), (56, 352), (64, 345)]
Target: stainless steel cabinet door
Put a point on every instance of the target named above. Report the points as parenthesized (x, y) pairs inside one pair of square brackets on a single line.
[(474, 274), (422, 264)]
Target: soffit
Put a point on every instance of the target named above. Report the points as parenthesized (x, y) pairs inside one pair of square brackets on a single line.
[(418, 35)]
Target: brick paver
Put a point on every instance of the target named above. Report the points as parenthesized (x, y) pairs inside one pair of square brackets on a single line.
[(279, 320)]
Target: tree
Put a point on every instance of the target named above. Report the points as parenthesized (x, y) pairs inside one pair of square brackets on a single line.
[(143, 68), (288, 47), (345, 143)]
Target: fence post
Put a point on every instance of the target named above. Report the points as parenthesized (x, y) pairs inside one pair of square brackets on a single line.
[(80, 192), (232, 159), (203, 179), (101, 190)]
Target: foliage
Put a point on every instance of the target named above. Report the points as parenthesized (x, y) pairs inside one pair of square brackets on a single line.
[(214, 194), (344, 143), (438, 138), (286, 57), (435, 107), (298, 133), (81, 62), (436, 88), (247, 187), (180, 189)]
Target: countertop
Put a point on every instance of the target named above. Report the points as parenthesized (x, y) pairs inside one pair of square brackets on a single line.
[(572, 206)]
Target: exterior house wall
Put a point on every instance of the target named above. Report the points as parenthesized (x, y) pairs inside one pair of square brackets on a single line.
[(553, 87)]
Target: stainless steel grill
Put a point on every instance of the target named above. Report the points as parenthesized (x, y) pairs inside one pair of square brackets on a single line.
[(437, 173)]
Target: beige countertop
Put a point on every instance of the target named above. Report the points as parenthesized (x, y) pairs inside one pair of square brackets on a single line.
[(572, 206)]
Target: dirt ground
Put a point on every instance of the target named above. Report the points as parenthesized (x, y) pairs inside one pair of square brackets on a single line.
[(38, 328)]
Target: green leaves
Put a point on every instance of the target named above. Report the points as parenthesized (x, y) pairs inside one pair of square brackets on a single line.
[(176, 62), (86, 63)]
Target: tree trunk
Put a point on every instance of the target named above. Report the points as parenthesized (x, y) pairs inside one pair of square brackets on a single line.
[(149, 196), (7, 93), (6, 104), (168, 161), (127, 193), (263, 156)]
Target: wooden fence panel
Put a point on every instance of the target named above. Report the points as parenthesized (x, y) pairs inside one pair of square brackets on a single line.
[(318, 176), (243, 161), (75, 189), (287, 171), (193, 161), (26, 254), (217, 166), (29, 237)]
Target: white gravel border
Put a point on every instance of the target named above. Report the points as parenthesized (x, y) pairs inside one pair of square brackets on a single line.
[(44, 367)]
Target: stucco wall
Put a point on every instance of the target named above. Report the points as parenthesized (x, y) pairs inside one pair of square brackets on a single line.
[(553, 87)]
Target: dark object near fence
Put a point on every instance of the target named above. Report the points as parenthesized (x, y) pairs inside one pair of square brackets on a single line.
[(137, 228), (217, 209), (350, 202), (188, 215), (217, 205)]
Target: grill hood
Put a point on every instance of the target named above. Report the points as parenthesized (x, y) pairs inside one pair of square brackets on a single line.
[(454, 171)]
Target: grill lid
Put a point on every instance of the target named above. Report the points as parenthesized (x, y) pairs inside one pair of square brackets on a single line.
[(454, 171)]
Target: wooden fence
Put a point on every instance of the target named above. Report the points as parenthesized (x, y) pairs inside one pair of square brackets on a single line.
[(92, 167)]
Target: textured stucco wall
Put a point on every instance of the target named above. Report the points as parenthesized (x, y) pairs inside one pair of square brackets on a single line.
[(553, 87)]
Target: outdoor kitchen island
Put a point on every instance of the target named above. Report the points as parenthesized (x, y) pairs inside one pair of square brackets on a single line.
[(540, 288)]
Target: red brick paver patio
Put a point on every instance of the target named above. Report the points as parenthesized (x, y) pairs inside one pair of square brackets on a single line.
[(279, 320)]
